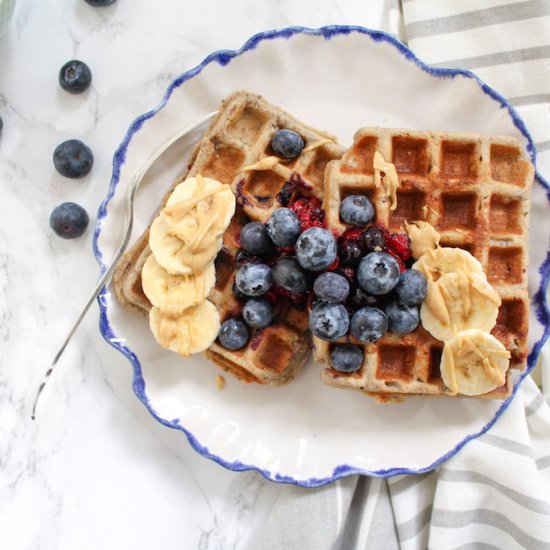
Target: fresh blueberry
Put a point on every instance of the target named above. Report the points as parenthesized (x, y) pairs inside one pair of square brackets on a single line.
[(328, 321), (402, 319), (378, 273), (283, 227), (287, 144), (100, 3), (374, 238), (358, 298), (369, 324), (346, 358), (331, 287), (255, 239), (69, 220), (289, 275), (73, 159), (258, 313), (411, 288), (350, 253), (75, 76), (315, 249), (254, 279), (233, 334), (357, 210)]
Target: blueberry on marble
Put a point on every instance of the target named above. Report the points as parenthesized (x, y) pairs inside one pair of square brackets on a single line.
[(255, 238), (233, 334), (100, 3), (356, 210), (288, 274), (75, 76), (346, 358), (315, 249), (258, 313), (287, 144), (369, 324), (73, 159), (254, 279), (283, 227), (331, 287), (328, 321), (69, 220), (402, 319), (412, 288), (378, 273)]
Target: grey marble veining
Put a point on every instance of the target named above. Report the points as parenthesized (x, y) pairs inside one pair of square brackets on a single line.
[(96, 471)]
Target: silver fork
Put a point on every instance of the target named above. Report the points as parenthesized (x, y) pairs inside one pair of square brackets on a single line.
[(104, 279)]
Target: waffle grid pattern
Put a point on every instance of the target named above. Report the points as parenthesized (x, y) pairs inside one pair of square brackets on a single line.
[(475, 191)]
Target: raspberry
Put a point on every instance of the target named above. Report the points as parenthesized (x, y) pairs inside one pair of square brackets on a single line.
[(399, 245), (309, 212)]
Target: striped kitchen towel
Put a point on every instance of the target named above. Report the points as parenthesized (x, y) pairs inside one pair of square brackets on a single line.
[(495, 493)]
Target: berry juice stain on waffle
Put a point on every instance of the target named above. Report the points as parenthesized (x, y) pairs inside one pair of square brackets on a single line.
[(401, 261)]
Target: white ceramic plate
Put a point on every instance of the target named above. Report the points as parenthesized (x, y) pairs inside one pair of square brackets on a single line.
[(338, 79)]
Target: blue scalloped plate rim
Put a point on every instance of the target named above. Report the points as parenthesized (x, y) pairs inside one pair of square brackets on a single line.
[(224, 57)]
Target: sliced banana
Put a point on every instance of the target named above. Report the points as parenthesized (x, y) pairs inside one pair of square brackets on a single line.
[(474, 362), (175, 293), (446, 260), (192, 331), (197, 202), (459, 301)]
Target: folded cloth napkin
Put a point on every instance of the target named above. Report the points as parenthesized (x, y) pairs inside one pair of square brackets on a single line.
[(495, 493)]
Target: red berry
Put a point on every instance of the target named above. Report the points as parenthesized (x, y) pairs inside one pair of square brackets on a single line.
[(400, 244)]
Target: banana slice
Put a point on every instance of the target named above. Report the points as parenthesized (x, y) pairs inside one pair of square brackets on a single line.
[(474, 362), (175, 293), (459, 301), (446, 260), (192, 331), (197, 202)]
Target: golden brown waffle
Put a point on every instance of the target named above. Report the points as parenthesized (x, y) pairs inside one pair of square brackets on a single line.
[(237, 138), (476, 192)]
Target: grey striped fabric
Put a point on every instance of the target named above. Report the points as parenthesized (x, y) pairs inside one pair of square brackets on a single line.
[(495, 493)]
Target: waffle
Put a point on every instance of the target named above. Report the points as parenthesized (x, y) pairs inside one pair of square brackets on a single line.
[(475, 191), (238, 138)]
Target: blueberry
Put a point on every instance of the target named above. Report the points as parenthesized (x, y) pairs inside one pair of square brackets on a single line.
[(75, 76), (378, 273), (254, 279), (289, 275), (73, 159), (69, 220), (255, 239), (402, 319), (258, 313), (357, 210), (287, 144), (100, 3), (243, 257), (328, 321), (346, 358), (374, 237), (350, 253), (233, 334), (315, 249), (411, 288), (331, 287), (283, 227), (358, 298), (369, 324)]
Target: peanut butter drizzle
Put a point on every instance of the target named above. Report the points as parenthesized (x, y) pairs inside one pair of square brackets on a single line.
[(267, 163), (207, 212), (169, 330), (423, 236), (316, 145), (390, 181)]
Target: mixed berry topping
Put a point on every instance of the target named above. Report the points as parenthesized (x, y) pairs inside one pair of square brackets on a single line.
[(358, 283)]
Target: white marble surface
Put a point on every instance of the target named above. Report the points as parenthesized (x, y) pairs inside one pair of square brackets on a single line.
[(95, 470)]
